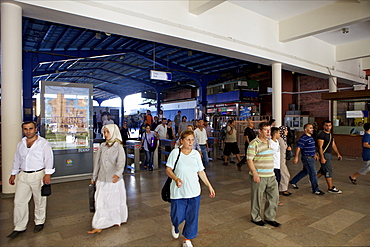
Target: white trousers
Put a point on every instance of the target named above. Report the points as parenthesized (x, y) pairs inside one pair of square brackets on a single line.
[(29, 184)]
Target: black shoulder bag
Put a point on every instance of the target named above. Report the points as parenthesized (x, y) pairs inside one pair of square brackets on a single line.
[(165, 193)]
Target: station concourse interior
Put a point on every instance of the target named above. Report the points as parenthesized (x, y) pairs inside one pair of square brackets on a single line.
[(211, 59)]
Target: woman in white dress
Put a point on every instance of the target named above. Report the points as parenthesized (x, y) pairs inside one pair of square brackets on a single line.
[(110, 195)]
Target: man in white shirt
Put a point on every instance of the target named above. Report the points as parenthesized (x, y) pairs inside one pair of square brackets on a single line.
[(104, 115), (108, 121), (161, 116), (201, 135), (33, 163), (98, 120), (161, 130)]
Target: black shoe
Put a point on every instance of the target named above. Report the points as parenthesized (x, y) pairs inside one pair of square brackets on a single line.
[(38, 228), (295, 186), (258, 223), (319, 192), (273, 223), (14, 234)]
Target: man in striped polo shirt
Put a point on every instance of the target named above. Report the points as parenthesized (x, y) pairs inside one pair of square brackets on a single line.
[(306, 144), (261, 165)]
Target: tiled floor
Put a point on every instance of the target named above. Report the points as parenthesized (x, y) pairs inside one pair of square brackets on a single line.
[(307, 219)]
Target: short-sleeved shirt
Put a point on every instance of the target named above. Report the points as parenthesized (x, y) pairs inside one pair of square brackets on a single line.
[(262, 156), (177, 120), (201, 136), (162, 131), (187, 169), (307, 145), (232, 137), (365, 151), (147, 139), (183, 126), (326, 137), (250, 133), (276, 147)]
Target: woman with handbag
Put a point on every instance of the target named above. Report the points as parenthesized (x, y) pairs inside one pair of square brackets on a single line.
[(110, 195), (185, 187), (148, 142), (284, 172)]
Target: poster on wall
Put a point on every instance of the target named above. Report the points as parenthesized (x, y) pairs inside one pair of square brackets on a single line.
[(66, 117), (245, 112)]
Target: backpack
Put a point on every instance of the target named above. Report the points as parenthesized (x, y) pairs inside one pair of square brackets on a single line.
[(223, 133)]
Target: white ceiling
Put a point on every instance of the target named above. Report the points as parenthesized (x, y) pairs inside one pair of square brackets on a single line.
[(282, 10)]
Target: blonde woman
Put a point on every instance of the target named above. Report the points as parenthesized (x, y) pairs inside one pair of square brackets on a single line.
[(185, 187), (110, 195)]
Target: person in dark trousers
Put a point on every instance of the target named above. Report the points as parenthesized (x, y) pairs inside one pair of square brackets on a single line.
[(125, 133), (326, 145), (306, 144), (249, 135)]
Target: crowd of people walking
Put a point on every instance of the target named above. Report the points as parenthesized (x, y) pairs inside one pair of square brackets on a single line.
[(266, 154)]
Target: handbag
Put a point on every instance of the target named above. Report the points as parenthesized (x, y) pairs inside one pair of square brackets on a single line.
[(288, 154), (166, 193), (46, 190), (92, 189), (153, 143)]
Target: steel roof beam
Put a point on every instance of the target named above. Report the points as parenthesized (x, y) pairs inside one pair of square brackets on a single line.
[(77, 37), (61, 36)]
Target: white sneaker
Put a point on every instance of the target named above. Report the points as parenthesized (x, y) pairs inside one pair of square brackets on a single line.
[(334, 190), (187, 243), (174, 234)]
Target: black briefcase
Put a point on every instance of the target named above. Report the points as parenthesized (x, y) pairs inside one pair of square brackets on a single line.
[(46, 190)]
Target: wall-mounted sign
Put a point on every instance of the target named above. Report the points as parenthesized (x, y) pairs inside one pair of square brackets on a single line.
[(160, 75), (356, 114)]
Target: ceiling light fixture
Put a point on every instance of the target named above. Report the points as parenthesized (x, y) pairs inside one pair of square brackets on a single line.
[(345, 30), (97, 35)]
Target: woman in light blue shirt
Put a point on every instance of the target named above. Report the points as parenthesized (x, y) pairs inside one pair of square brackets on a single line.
[(185, 187)]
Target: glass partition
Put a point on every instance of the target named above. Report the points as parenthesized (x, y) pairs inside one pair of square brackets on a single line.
[(349, 116)]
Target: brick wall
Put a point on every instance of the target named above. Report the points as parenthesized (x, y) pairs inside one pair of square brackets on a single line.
[(312, 102)]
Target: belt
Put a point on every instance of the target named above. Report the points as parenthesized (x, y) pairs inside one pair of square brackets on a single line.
[(202, 144), (308, 156), (33, 171)]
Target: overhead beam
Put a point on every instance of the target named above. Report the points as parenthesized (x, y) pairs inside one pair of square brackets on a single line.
[(327, 18), (198, 7), (353, 50)]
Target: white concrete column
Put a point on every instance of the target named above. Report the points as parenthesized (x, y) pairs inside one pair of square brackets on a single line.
[(11, 87), (332, 89), (277, 94)]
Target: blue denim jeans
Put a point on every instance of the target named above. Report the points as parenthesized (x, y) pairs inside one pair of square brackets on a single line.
[(205, 159), (310, 169), (149, 159)]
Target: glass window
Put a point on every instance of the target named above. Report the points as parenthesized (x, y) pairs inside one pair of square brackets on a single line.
[(349, 116)]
